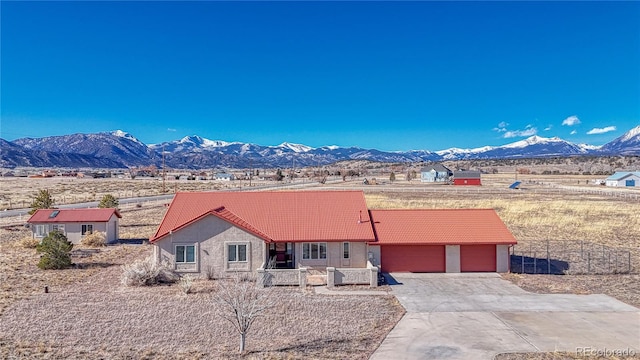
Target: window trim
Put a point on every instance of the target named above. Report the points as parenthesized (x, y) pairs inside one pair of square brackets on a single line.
[(346, 250), (43, 227), (307, 251), (185, 246), (236, 252)]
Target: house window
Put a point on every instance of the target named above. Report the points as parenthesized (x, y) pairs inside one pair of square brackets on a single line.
[(237, 253), (87, 229), (58, 227), (314, 251), (185, 253), (346, 250), (40, 230)]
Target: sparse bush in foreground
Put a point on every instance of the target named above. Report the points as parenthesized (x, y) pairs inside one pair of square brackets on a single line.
[(55, 249), (210, 273), (186, 284), (148, 272), (28, 242), (95, 239)]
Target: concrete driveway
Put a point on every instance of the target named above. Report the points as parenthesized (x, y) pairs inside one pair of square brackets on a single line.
[(476, 316)]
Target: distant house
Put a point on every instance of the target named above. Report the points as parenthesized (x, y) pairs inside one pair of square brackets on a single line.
[(225, 177), (75, 223), (435, 173), (624, 178), (466, 178)]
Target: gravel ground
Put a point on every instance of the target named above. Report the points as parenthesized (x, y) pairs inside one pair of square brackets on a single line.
[(99, 318)]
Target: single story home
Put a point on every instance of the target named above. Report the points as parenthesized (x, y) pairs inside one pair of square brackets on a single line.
[(441, 240), (282, 234), (624, 178), (466, 178), (435, 173), (75, 223), (243, 231), (225, 177)]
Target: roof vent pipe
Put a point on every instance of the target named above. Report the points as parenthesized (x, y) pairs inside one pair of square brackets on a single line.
[(360, 218)]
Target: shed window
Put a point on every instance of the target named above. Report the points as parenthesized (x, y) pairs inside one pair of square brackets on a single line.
[(87, 229), (40, 230), (346, 250), (185, 253), (314, 251), (58, 227)]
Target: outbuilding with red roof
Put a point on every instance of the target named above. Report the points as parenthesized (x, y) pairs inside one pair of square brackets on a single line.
[(76, 223)]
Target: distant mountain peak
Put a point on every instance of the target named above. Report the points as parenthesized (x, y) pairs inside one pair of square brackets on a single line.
[(298, 148), (631, 134), (125, 135)]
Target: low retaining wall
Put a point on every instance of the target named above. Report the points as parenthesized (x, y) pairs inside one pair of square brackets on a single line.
[(349, 276), (292, 277)]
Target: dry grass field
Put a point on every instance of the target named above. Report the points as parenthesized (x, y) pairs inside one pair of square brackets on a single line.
[(88, 315)]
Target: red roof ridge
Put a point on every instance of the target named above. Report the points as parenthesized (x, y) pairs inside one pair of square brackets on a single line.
[(72, 215)]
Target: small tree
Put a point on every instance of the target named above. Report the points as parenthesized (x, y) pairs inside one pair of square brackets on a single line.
[(392, 177), (279, 175), (108, 201), (241, 303), (55, 249), (42, 200)]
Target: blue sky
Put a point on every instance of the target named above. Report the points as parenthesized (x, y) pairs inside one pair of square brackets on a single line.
[(385, 75)]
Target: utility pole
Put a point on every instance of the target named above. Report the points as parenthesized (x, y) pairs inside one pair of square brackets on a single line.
[(250, 170), (164, 173)]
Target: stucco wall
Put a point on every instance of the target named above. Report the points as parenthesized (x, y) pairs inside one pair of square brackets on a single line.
[(374, 254), (211, 236), (502, 258), (357, 258)]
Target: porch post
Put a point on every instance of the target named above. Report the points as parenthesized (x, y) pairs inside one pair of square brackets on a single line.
[(331, 277), (303, 278)]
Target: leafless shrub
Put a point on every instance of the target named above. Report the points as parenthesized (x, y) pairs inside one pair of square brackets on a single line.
[(95, 239), (147, 272), (241, 303), (186, 284), (210, 273), (28, 242)]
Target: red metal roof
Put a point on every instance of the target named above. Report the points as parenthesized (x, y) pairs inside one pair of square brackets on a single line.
[(73, 215), (279, 216), (440, 227)]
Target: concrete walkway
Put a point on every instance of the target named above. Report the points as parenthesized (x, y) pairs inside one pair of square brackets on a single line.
[(336, 291), (476, 316)]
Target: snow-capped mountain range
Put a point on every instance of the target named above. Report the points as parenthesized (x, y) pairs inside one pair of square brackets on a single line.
[(121, 149)]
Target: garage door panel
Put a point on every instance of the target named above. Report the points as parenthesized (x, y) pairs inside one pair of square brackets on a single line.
[(478, 258), (401, 258)]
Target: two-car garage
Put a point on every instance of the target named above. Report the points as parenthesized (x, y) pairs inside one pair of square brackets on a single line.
[(451, 240), (432, 258)]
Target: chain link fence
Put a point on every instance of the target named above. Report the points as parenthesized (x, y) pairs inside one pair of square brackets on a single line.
[(571, 257)]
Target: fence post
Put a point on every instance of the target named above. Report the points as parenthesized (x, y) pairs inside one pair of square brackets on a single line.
[(589, 262), (548, 259)]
